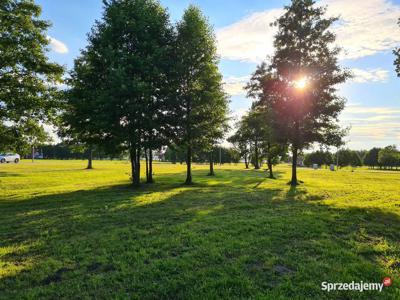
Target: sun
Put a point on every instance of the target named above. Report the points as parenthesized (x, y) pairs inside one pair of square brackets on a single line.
[(301, 83)]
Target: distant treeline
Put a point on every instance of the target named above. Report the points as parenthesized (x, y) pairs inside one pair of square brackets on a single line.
[(383, 158), (65, 151), (219, 155), (170, 154)]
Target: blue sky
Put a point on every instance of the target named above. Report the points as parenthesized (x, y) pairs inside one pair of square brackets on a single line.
[(367, 31)]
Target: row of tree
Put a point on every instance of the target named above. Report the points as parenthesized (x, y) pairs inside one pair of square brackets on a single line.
[(143, 83), (386, 158), (218, 154)]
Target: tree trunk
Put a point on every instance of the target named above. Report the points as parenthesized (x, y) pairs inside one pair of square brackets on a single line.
[(294, 182), (33, 153), (90, 159), (246, 163), (132, 154), (147, 165), (150, 178), (137, 168), (271, 174), (256, 163), (211, 165), (189, 166), (269, 161)]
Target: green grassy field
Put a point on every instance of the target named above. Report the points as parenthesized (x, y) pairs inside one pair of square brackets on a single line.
[(66, 232)]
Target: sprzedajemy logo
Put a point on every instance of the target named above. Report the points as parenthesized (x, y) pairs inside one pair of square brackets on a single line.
[(356, 286)]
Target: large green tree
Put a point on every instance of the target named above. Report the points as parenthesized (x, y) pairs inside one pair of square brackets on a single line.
[(305, 102), (202, 105), (131, 49), (389, 157), (371, 158), (79, 123), (28, 81)]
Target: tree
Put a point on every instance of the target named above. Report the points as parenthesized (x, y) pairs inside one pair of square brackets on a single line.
[(201, 106), (28, 81), (257, 88), (240, 141), (389, 157), (256, 124), (318, 157), (175, 154), (79, 121), (371, 158), (130, 48), (396, 52), (302, 91), (347, 157), (29, 137)]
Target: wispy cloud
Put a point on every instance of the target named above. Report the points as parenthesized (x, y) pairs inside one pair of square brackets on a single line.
[(58, 46), (375, 75), (372, 126), (234, 86), (250, 39), (365, 28)]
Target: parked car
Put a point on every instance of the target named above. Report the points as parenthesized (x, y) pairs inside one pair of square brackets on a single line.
[(9, 157)]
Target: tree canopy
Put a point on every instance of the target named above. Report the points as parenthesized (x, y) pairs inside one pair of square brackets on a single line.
[(202, 106), (28, 80), (303, 95)]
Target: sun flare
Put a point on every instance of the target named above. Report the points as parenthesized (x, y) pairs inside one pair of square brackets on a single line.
[(301, 83)]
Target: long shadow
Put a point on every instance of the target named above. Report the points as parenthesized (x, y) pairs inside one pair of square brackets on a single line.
[(168, 241)]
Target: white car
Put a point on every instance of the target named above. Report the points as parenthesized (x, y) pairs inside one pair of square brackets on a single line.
[(9, 157)]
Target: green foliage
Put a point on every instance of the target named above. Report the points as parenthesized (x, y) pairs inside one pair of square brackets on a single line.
[(201, 108), (175, 154), (28, 92), (371, 157), (396, 53), (347, 157), (318, 157), (241, 140), (305, 51), (79, 123), (138, 86), (389, 157), (119, 98)]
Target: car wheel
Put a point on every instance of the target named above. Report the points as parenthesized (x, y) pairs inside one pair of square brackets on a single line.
[(3, 160), (16, 160)]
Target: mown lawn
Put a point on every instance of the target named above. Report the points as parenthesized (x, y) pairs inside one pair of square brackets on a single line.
[(66, 232)]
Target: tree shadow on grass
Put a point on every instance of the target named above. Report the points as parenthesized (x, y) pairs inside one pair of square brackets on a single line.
[(170, 241)]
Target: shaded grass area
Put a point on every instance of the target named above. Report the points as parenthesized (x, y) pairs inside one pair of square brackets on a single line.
[(70, 233)]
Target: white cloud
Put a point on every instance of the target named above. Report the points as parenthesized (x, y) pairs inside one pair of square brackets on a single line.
[(234, 86), (58, 46), (375, 75), (367, 110), (250, 39), (366, 27), (372, 126)]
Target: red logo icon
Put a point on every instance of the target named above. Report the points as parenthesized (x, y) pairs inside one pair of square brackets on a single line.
[(387, 281)]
